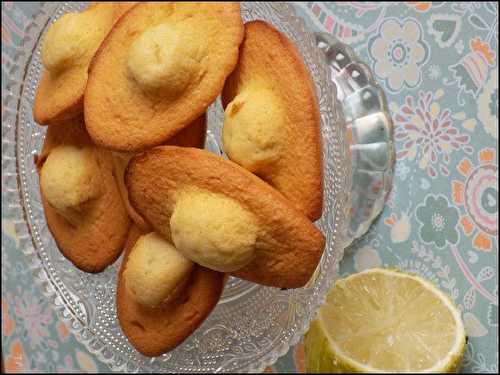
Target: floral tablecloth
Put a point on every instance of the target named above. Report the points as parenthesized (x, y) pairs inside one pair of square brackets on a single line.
[(438, 63)]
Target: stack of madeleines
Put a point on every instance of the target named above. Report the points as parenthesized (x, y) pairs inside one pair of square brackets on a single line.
[(124, 93)]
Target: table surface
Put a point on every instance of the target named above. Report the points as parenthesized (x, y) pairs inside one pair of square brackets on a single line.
[(438, 63)]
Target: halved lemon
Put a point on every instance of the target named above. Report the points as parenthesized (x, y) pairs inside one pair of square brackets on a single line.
[(382, 320)]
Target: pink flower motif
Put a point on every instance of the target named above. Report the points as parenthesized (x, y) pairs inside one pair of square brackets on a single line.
[(34, 317), (426, 133)]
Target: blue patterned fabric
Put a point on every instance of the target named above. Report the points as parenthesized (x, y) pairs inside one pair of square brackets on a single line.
[(438, 63)]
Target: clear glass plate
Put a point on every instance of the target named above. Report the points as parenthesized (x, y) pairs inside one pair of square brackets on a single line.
[(252, 325), (369, 134)]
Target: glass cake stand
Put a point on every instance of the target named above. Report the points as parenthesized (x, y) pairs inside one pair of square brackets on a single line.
[(252, 325), (369, 133)]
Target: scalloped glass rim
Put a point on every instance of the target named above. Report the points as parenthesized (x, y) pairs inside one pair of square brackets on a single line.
[(81, 300), (370, 133)]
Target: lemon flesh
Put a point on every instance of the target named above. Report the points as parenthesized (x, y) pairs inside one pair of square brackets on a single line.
[(385, 320)]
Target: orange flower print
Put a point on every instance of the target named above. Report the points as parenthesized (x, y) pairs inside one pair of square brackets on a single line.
[(419, 6), (15, 360), (299, 357), (62, 331), (478, 194), (85, 362), (7, 322)]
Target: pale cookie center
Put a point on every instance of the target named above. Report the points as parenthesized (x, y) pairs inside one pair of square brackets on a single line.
[(254, 126), (70, 177), (70, 41), (213, 230), (162, 60), (156, 272)]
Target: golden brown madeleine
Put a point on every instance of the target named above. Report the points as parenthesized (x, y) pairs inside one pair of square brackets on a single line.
[(156, 330), (192, 136), (81, 199), (219, 214), (68, 48), (158, 70), (272, 121)]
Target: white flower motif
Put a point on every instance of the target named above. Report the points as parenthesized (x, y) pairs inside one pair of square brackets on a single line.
[(459, 46), (438, 222), (399, 52), (434, 72), (402, 170), (488, 105), (400, 227)]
